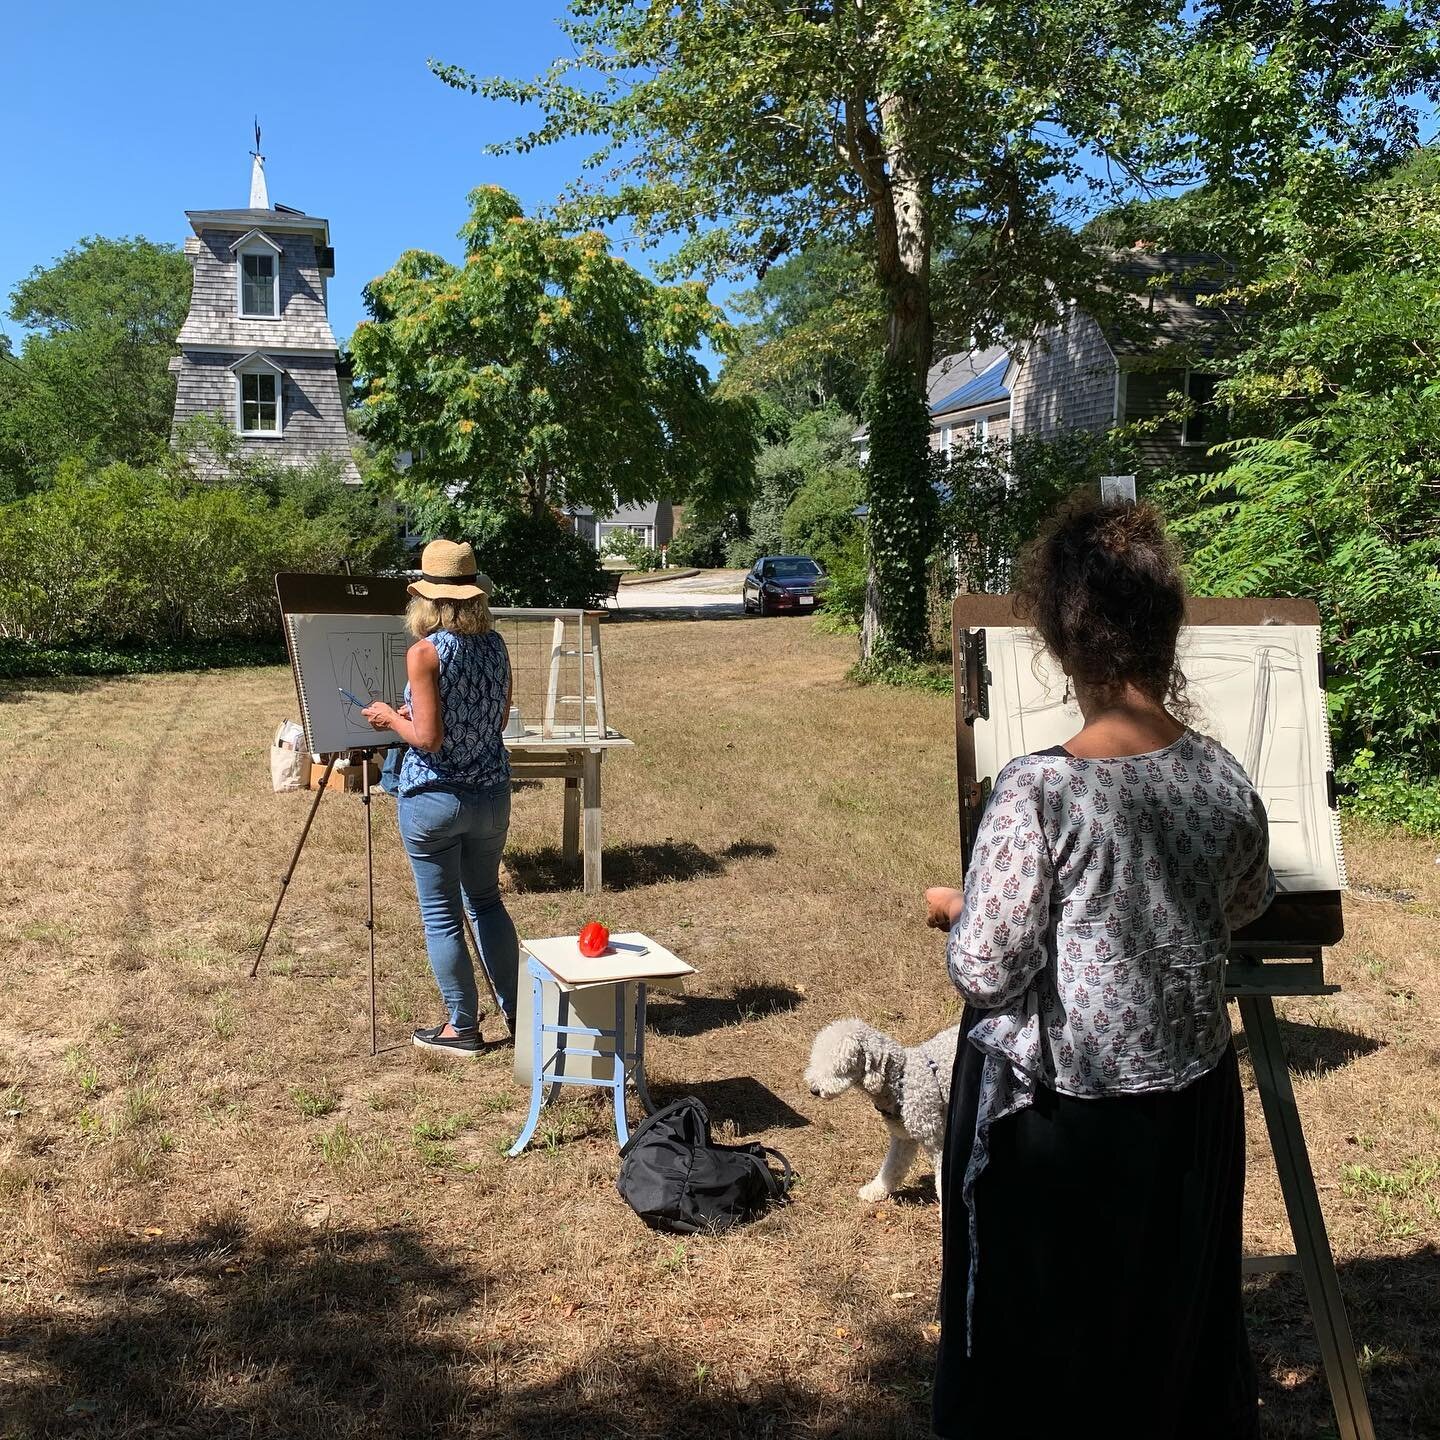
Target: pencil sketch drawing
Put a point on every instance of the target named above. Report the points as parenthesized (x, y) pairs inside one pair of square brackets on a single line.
[(364, 654), (370, 665), (1256, 689)]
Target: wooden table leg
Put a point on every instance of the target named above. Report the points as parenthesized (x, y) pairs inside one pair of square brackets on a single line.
[(570, 834), (590, 784), (1307, 1223)]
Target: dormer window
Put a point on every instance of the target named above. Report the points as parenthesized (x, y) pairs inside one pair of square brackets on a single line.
[(257, 272), (257, 283), (259, 396)]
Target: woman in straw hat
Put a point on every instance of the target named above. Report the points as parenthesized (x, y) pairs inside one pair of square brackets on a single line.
[(454, 786)]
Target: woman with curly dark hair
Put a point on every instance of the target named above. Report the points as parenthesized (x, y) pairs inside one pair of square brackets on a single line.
[(1095, 1155)]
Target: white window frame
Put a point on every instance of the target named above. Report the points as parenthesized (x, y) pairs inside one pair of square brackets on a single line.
[(258, 365), (947, 440), (1185, 439), (256, 243), (982, 428)]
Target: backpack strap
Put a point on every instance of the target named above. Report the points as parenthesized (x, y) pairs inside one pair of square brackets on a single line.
[(687, 1107), (779, 1185), (776, 1186)]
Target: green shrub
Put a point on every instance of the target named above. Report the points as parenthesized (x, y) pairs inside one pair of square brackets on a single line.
[(1386, 794), (630, 547), (845, 594), (995, 498), (820, 520), (741, 553), (702, 541), (537, 560), (19, 660), (124, 556)]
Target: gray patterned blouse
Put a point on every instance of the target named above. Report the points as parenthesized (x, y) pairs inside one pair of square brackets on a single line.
[(1098, 908)]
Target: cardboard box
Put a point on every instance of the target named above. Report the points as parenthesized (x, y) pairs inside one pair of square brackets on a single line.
[(345, 776)]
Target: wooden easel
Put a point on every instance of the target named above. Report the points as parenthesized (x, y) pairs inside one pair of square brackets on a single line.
[(1282, 953)]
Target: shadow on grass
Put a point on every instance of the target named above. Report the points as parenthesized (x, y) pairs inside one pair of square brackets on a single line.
[(1318, 1049), (752, 1107), (650, 613), (695, 1014), (229, 1333), (373, 1333), (1394, 1308), (630, 867), (16, 690)]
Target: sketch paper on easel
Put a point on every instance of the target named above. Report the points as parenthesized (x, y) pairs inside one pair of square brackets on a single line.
[(1254, 688), (364, 654)]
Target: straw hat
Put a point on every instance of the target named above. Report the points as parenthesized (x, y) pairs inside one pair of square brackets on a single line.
[(447, 572)]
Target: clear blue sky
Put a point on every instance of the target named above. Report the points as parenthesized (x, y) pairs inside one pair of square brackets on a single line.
[(118, 118)]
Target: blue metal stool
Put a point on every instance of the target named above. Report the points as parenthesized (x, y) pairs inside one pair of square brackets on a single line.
[(548, 1072)]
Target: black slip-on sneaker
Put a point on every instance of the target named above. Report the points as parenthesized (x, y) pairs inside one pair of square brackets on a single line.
[(463, 1042)]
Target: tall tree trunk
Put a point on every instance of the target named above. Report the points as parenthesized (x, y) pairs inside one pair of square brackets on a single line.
[(899, 197)]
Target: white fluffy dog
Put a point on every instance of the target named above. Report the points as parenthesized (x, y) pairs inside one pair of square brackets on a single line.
[(909, 1087)]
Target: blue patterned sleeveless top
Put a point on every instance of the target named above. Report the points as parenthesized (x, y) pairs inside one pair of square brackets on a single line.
[(474, 683)]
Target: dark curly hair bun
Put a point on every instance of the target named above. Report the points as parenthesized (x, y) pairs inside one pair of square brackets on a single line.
[(1102, 585)]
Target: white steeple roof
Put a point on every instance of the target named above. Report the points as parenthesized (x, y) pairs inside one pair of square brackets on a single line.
[(259, 194)]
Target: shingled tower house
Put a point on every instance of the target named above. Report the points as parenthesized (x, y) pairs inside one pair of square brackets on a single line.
[(256, 350)]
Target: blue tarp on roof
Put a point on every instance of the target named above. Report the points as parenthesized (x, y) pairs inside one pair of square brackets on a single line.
[(981, 389)]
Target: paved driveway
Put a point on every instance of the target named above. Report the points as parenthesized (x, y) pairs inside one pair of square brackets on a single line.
[(710, 595)]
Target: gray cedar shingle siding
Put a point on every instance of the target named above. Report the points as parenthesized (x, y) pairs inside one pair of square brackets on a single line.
[(314, 422), (215, 336), (1066, 380), (214, 317), (1155, 392)]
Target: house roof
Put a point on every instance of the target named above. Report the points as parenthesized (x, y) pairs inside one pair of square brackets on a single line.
[(949, 374), (987, 388), (642, 514), (1169, 310), (278, 217)]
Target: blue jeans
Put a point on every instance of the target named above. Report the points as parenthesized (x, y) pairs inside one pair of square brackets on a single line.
[(454, 843)]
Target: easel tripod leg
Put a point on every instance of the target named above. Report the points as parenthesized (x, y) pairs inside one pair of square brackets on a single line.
[(1307, 1223), (294, 861), (369, 889)]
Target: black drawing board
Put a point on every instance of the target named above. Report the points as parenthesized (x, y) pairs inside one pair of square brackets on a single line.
[(344, 631), (1256, 682)]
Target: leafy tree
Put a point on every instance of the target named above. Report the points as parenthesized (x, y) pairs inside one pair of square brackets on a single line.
[(758, 128), (92, 379), (544, 372), (536, 559), (994, 499), (1334, 495), (813, 324)]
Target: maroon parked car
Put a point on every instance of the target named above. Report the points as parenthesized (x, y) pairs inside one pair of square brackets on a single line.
[(788, 584)]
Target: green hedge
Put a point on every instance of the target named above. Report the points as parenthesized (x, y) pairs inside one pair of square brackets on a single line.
[(20, 661), (145, 559)]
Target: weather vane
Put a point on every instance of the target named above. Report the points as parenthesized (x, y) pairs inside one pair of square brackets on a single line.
[(256, 151)]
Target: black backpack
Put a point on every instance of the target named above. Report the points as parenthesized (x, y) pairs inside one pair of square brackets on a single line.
[(675, 1177)]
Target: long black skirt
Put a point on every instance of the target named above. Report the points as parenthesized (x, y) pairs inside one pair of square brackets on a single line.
[(1107, 1298)]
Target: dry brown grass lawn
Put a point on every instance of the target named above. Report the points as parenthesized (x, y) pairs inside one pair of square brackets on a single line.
[(222, 1217)]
